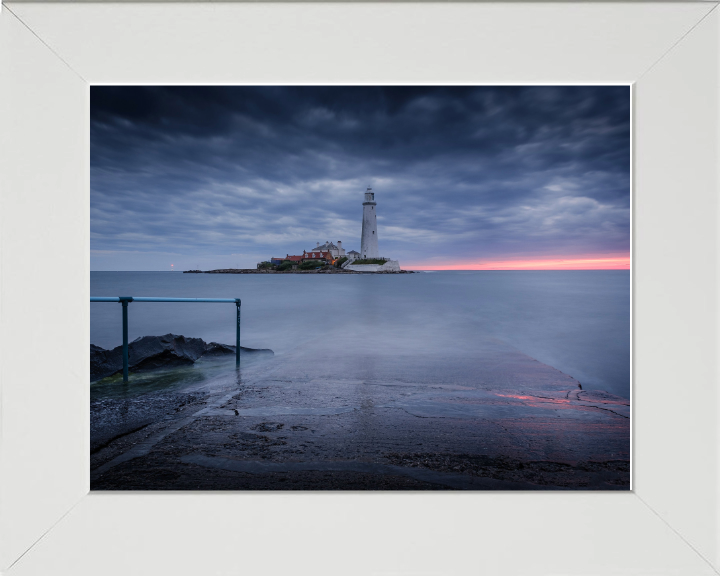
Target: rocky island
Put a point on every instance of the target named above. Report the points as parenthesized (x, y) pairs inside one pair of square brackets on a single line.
[(324, 269), (330, 258)]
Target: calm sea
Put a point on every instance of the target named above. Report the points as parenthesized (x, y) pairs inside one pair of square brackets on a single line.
[(575, 321)]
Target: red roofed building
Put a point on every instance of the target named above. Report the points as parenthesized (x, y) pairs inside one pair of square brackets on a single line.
[(323, 256), (294, 258)]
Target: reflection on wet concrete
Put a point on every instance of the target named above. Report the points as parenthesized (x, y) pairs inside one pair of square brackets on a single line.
[(118, 408), (477, 416)]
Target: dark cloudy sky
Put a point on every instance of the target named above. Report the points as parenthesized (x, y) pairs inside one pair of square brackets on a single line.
[(464, 177)]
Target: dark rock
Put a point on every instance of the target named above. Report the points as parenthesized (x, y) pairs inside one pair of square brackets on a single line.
[(215, 349), (153, 352), (103, 362)]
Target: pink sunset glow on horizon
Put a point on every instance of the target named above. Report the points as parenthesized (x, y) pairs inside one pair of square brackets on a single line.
[(587, 262)]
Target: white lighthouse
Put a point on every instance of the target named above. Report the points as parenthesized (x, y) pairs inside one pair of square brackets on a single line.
[(369, 241)]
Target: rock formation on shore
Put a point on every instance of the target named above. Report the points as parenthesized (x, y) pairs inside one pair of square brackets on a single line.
[(153, 352)]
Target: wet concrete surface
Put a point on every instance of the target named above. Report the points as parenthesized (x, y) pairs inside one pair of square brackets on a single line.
[(480, 416)]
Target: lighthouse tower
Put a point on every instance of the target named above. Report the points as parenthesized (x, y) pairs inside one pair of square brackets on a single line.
[(369, 242)]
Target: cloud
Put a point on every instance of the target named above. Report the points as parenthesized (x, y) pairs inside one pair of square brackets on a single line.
[(478, 172)]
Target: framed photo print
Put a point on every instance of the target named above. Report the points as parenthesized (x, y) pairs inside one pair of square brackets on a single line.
[(498, 225), (368, 288)]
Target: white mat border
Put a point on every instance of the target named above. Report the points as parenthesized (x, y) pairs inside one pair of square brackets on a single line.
[(50, 53)]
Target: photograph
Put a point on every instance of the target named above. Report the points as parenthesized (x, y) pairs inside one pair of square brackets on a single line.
[(360, 287)]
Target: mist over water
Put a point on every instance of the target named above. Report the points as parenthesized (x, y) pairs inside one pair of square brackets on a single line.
[(575, 321)]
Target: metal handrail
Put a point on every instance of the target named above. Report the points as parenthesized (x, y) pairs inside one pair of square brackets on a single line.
[(125, 300)]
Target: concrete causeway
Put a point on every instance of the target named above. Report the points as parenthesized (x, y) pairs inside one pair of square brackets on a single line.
[(479, 416)]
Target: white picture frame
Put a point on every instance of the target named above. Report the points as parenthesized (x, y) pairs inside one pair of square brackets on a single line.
[(50, 53)]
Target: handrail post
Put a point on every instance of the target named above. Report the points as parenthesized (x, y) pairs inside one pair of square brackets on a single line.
[(125, 300), (237, 334), (125, 340)]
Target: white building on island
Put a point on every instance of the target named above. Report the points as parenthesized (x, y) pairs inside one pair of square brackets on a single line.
[(369, 242), (336, 250), (330, 253)]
